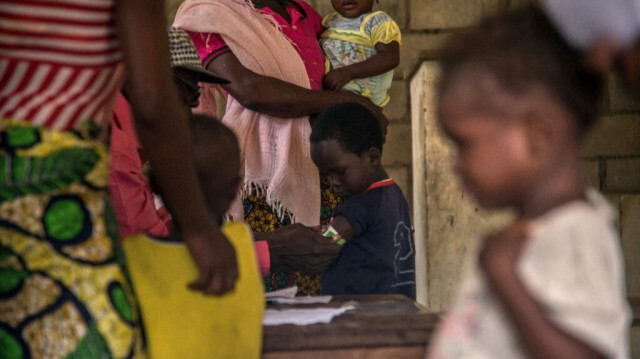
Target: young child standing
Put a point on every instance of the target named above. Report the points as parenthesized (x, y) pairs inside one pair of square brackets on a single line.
[(516, 102), (361, 48), (181, 323), (378, 256)]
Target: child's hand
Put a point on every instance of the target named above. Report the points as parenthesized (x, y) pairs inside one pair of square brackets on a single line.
[(501, 249), (336, 79)]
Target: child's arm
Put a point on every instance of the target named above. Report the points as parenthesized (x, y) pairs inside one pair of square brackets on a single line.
[(343, 227), (540, 337), (387, 58)]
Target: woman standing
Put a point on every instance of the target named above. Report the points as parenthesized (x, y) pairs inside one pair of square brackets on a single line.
[(63, 292), (268, 50)]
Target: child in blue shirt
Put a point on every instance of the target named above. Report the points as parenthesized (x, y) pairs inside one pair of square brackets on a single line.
[(378, 254)]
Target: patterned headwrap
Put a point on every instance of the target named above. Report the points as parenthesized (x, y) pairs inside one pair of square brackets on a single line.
[(184, 55)]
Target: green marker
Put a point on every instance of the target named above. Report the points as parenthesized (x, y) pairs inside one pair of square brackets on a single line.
[(332, 233)]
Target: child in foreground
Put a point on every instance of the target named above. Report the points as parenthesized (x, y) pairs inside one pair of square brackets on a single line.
[(516, 102), (362, 48), (180, 323), (378, 256)]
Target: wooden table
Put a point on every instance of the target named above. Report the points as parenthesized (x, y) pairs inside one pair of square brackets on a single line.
[(381, 326)]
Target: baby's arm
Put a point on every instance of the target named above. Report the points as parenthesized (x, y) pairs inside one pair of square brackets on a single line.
[(386, 59), (539, 336)]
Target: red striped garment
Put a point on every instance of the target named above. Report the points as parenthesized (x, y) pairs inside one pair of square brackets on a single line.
[(60, 61)]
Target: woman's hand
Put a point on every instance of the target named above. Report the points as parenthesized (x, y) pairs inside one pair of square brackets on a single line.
[(372, 107), (297, 247), (337, 78), (215, 259)]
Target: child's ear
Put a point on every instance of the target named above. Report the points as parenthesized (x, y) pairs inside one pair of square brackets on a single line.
[(537, 132), (546, 128), (375, 156)]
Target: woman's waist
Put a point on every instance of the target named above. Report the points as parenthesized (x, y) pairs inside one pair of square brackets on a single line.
[(58, 97), (40, 160)]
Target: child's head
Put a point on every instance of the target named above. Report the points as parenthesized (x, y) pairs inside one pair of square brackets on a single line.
[(346, 145), (217, 160), (516, 101), (352, 8)]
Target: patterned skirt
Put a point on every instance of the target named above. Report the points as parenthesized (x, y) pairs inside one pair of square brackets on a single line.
[(261, 217), (63, 292)]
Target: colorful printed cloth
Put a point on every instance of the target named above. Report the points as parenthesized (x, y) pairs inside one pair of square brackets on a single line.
[(348, 41), (261, 217), (63, 292)]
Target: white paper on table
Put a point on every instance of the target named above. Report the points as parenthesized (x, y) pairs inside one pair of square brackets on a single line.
[(317, 299), (288, 292), (303, 316)]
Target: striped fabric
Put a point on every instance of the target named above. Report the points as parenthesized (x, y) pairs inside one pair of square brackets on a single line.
[(60, 61)]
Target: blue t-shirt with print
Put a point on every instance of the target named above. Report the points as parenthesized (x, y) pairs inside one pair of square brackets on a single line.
[(380, 258)]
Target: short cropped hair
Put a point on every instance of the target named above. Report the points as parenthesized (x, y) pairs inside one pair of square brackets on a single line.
[(209, 132), (522, 49), (352, 125)]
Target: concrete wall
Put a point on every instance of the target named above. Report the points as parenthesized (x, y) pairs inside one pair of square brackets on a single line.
[(447, 224)]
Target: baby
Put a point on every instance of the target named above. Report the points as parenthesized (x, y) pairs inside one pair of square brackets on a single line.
[(373, 222), (179, 322), (361, 48)]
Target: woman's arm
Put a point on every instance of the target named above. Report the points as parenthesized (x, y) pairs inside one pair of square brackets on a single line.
[(279, 98), (297, 247), (161, 123), (386, 59)]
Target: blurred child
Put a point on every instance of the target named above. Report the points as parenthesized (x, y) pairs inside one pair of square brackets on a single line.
[(378, 256), (180, 323), (362, 48), (516, 102), (217, 158)]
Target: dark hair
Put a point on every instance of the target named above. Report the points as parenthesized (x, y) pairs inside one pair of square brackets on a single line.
[(521, 48), (351, 124), (207, 131)]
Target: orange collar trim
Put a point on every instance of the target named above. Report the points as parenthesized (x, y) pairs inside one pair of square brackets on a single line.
[(383, 183)]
